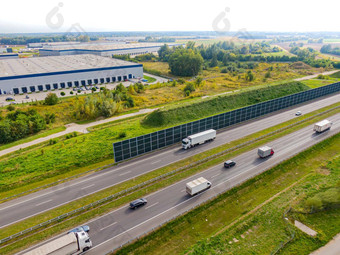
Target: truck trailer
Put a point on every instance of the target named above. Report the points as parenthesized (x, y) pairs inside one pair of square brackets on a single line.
[(198, 138), (322, 126), (72, 243), (265, 151), (196, 186)]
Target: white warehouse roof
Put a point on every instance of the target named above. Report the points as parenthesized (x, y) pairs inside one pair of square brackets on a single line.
[(26, 66)]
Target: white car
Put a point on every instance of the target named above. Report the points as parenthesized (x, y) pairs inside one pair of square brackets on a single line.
[(298, 113)]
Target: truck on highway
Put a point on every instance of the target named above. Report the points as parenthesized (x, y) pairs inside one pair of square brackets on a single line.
[(71, 243), (198, 138), (265, 151), (196, 186), (322, 126)]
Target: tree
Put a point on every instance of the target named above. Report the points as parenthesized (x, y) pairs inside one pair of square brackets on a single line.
[(185, 62), (214, 61), (51, 99), (164, 53), (249, 76)]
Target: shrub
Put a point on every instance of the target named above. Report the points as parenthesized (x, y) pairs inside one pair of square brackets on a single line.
[(122, 135), (10, 108), (62, 93), (71, 92), (51, 99), (189, 87)]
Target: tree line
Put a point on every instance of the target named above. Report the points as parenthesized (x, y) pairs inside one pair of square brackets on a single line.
[(19, 124)]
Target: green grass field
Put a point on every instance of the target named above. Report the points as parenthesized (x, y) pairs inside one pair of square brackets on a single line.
[(249, 219), (150, 79)]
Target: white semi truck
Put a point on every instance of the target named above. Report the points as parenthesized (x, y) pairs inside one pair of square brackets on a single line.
[(198, 138), (265, 151), (322, 126), (197, 186), (70, 244)]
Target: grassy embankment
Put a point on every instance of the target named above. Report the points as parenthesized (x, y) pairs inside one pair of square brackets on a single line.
[(249, 219), (63, 226), (178, 113), (48, 160)]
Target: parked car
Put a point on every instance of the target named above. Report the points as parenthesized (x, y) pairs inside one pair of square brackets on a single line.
[(27, 97), (298, 113), (9, 99), (137, 203), (85, 228), (75, 89), (229, 163)]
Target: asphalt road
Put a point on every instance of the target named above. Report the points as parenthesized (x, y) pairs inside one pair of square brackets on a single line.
[(116, 228), (44, 200)]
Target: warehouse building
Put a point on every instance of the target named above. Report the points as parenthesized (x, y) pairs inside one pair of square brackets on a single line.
[(26, 75), (104, 50)]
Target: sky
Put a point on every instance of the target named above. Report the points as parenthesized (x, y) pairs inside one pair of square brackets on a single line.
[(177, 15)]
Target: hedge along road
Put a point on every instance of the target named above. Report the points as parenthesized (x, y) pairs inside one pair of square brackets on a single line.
[(44, 200), (122, 225)]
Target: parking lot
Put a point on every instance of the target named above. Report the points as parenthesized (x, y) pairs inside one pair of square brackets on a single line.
[(37, 96)]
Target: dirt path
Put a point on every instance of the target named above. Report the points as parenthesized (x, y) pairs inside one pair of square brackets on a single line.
[(315, 75), (70, 128), (332, 248)]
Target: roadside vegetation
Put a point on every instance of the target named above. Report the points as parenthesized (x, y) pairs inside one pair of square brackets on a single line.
[(191, 111), (250, 218)]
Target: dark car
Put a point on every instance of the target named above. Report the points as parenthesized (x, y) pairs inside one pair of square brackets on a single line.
[(138, 203), (229, 163), (79, 229), (9, 99)]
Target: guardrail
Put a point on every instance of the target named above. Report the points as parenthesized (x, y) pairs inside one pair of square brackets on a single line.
[(123, 192), (140, 145)]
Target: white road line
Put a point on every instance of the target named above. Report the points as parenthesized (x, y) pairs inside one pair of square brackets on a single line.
[(108, 226), (156, 162), (151, 205), (124, 173), (182, 190), (212, 177), (43, 202), (88, 186)]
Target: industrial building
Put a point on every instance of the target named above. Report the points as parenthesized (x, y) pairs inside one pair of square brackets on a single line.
[(26, 75), (105, 50)]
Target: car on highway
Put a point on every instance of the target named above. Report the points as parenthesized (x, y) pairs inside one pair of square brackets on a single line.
[(229, 163), (84, 228), (298, 113), (137, 203)]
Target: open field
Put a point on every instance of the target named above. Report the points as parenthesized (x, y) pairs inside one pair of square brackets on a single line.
[(97, 211), (249, 219)]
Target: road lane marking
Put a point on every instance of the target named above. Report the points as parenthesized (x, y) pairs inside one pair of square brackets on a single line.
[(124, 173), (44, 202), (212, 177), (156, 162), (151, 205), (108, 226), (182, 190), (88, 186)]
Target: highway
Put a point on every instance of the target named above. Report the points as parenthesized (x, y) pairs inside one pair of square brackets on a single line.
[(114, 229), (24, 207)]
